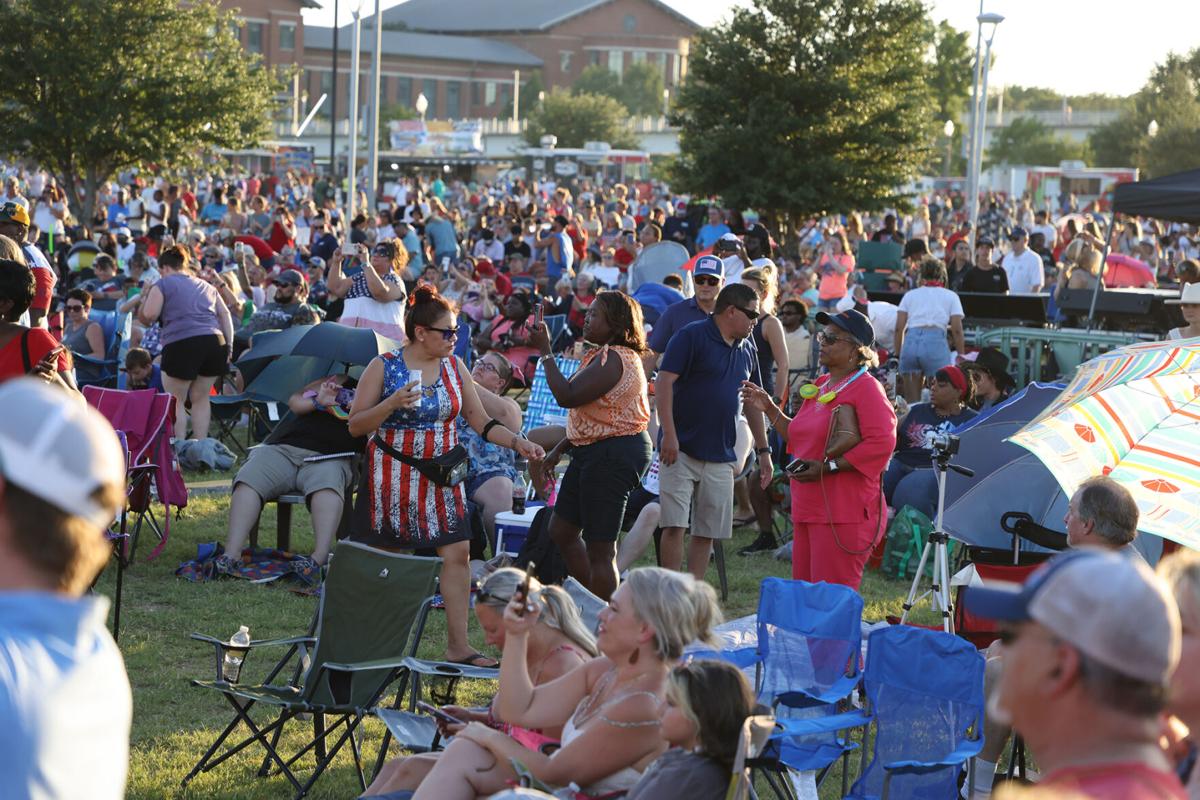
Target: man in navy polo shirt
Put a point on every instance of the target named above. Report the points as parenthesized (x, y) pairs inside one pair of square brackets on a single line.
[(708, 276), (699, 399)]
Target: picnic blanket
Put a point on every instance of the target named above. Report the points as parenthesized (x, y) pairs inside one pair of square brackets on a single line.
[(258, 565)]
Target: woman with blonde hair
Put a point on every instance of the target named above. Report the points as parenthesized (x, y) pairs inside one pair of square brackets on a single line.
[(610, 708), (558, 643), (375, 293)]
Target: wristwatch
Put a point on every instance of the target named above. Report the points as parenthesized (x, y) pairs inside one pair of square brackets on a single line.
[(831, 466), (762, 451)]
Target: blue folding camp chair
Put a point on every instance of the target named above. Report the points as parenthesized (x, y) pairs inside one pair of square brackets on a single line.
[(925, 695), (541, 399), (809, 647), (559, 335), (105, 368)]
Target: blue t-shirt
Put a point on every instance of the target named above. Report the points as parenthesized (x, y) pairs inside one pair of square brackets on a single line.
[(325, 247), (213, 212), (64, 698), (442, 236), (153, 382), (707, 394), (116, 211), (709, 234), (912, 443), (675, 318), (416, 261), (555, 267)]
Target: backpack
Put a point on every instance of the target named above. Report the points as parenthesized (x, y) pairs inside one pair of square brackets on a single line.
[(906, 538), (540, 549)]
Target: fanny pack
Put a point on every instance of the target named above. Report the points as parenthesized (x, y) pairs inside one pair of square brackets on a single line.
[(449, 469)]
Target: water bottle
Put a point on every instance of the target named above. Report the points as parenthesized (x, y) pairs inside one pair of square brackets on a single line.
[(239, 643), (519, 488)]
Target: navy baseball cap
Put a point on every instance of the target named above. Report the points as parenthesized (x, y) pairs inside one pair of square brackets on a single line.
[(709, 265), (852, 322), (1018, 233)]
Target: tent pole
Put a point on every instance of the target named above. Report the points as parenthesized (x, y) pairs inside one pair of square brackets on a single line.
[(1103, 267)]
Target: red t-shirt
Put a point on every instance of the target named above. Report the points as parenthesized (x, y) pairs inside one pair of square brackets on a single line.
[(1130, 781), (40, 342), (260, 247), (44, 281)]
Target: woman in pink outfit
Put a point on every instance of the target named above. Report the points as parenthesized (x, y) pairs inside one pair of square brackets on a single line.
[(838, 511)]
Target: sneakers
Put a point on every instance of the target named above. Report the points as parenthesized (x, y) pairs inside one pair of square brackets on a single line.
[(765, 543)]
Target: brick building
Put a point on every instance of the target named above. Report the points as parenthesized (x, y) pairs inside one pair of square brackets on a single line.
[(466, 56)]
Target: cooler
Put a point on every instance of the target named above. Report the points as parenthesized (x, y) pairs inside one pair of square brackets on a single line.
[(511, 529)]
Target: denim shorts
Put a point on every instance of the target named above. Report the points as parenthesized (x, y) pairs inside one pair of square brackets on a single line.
[(924, 350)]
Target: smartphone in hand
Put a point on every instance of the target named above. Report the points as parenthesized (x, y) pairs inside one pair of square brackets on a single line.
[(524, 589), (438, 714)]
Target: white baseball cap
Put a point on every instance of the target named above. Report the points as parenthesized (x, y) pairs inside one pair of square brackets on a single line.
[(59, 449), (1111, 607)]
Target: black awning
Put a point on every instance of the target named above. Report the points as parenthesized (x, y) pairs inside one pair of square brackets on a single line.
[(1171, 197)]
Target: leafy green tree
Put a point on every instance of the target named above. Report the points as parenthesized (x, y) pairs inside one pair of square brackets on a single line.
[(97, 86), (642, 90), (598, 79), (797, 107), (387, 113), (1170, 97), (1027, 140), (579, 118), (950, 75)]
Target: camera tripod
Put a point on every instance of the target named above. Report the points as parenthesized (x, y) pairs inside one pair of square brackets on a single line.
[(939, 589)]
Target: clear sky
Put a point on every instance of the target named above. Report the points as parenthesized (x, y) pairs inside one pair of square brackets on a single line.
[(1074, 48)]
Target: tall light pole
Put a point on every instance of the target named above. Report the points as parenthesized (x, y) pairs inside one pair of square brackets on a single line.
[(373, 123), (970, 148), (352, 167), (979, 126), (333, 99)]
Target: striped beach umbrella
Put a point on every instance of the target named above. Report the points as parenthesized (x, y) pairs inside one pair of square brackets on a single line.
[(1132, 414)]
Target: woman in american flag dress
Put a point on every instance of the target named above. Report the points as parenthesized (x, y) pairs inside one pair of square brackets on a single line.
[(397, 506)]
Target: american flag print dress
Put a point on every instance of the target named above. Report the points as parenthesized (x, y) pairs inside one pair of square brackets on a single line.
[(397, 506)]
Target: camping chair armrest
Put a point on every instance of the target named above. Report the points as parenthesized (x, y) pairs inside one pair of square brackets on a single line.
[(799, 698), (100, 362), (301, 643), (955, 758), (447, 669), (835, 722)]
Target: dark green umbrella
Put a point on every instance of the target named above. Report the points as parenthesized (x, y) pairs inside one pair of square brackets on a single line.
[(284, 376), (343, 344)]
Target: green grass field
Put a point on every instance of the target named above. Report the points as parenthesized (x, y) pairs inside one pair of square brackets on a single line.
[(173, 722)]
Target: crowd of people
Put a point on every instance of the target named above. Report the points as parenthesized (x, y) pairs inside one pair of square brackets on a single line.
[(690, 398)]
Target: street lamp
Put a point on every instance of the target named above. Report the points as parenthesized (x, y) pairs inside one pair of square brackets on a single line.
[(373, 123), (666, 102), (422, 105), (948, 130), (979, 117), (1152, 128), (541, 98), (352, 167)]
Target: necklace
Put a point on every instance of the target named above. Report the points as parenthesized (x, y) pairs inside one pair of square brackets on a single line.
[(811, 390)]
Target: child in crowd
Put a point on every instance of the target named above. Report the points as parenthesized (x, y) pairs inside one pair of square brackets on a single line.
[(140, 371)]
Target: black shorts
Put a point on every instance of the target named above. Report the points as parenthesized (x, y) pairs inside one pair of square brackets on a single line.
[(189, 358), (609, 469), (639, 498)]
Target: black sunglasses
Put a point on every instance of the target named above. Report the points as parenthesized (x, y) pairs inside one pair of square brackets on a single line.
[(447, 333), (707, 280), (73, 307), (751, 315)]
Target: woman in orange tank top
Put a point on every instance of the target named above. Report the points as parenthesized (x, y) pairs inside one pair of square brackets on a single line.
[(606, 436)]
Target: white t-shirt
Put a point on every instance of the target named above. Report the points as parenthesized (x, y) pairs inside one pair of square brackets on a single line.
[(930, 307), (882, 317), (1025, 272), (1048, 232)]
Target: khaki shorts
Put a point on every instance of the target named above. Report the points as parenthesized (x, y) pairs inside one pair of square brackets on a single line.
[(277, 469), (704, 488)]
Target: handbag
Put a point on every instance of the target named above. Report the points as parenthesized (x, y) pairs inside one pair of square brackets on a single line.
[(843, 431), (449, 469)]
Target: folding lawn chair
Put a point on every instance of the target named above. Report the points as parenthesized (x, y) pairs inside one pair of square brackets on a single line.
[(809, 647), (371, 614), (924, 691), (541, 399), (756, 731), (147, 420), (117, 328)]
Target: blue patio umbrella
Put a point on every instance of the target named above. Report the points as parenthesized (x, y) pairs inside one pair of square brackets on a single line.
[(1009, 479)]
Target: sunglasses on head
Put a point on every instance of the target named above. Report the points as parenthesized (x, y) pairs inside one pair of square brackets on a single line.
[(707, 280)]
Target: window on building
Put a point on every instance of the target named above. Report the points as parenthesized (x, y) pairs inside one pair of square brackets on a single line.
[(505, 95), (287, 36), (639, 56), (453, 99), (429, 88), (404, 92), (616, 61), (489, 94), (564, 60), (254, 37), (326, 88), (660, 59), (476, 93), (384, 97), (594, 57)]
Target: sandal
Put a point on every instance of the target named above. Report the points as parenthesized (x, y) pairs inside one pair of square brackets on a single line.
[(475, 660)]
